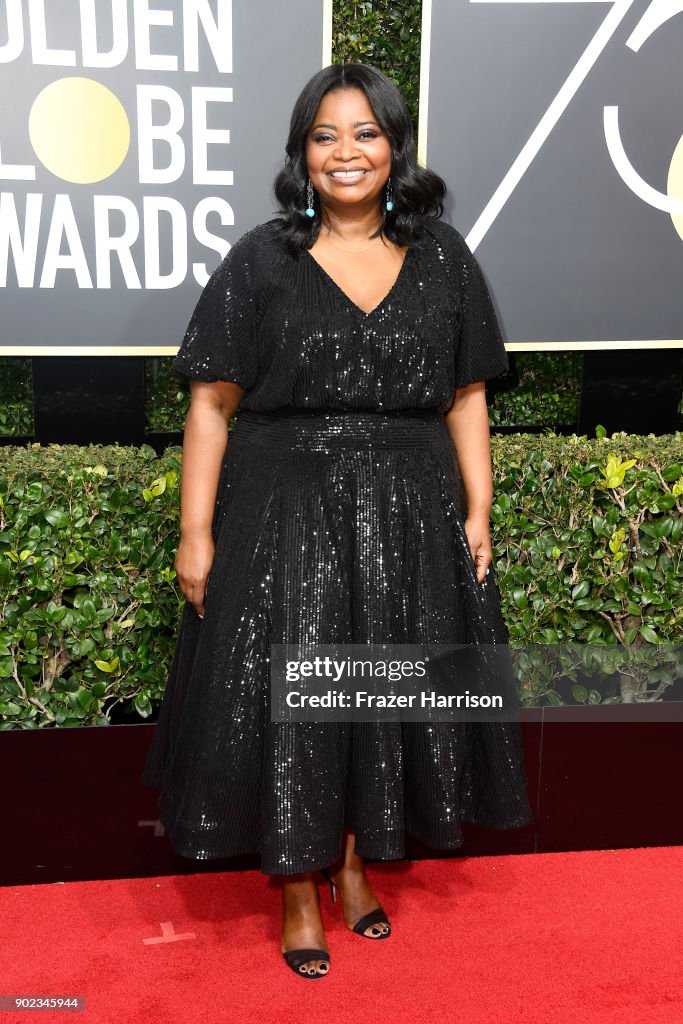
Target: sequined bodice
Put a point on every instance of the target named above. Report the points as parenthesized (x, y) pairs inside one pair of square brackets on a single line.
[(279, 325)]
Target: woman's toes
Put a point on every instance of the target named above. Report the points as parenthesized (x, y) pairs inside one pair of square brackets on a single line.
[(314, 967)]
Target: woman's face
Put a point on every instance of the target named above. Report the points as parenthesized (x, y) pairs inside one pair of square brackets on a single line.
[(345, 137)]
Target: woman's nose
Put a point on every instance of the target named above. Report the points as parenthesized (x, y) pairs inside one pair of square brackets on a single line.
[(346, 149)]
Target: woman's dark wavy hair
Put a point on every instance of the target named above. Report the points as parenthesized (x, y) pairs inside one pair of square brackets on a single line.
[(417, 191)]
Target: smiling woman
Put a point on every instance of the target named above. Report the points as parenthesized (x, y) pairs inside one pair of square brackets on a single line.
[(347, 511)]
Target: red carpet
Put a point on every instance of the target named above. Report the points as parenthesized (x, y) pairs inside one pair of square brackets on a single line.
[(541, 939)]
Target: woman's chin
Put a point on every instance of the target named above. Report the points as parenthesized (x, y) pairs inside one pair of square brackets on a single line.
[(348, 196)]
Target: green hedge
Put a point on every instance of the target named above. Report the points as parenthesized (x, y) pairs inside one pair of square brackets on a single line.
[(87, 582), (587, 546)]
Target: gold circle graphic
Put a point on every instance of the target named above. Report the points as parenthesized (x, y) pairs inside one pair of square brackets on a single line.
[(674, 183), (79, 130)]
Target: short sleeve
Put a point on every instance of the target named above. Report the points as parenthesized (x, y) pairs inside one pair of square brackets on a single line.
[(219, 343), (480, 352)]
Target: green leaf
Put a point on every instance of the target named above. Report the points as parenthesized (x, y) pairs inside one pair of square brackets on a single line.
[(104, 666), (34, 491), (56, 613), (60, 520)]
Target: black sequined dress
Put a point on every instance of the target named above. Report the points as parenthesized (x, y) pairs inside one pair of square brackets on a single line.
[(339, 519)]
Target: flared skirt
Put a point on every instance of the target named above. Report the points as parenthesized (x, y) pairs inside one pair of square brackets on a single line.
[(330, 527)]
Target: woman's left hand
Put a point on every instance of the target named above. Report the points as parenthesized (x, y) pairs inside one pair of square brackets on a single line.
[(478, 536)]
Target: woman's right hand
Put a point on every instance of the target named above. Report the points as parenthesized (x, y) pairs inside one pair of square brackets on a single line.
[(193, 562)]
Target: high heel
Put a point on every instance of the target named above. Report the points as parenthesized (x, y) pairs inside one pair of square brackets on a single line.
[(376, 916), (325, 872)]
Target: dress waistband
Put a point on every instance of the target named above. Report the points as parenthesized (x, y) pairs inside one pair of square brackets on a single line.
[(322, 429)]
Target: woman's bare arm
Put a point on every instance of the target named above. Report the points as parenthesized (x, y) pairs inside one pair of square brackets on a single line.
[(204, 443), (468, 424)]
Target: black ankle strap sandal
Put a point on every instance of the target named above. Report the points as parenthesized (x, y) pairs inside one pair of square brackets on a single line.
[(296, 958), (376, 916)]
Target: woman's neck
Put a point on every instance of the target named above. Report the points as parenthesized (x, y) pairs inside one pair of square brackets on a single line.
[(350, 226)]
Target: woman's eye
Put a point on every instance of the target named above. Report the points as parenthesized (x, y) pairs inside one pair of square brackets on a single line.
[(367, 134)]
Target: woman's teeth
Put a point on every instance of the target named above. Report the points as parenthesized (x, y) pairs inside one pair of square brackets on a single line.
[(347, 174)]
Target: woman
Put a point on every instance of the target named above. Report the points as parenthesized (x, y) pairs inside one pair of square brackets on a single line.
[(355, 333)]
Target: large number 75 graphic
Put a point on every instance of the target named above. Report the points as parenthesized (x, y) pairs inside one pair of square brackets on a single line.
[(656, 15)]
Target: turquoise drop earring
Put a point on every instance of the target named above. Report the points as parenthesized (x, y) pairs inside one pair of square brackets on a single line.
[(310, 199), (389, 196)]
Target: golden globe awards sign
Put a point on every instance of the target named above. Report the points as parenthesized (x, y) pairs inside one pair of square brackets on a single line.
[(558, 127), (138, 140)]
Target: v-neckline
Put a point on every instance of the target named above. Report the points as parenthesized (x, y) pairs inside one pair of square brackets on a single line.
[(354, 305)]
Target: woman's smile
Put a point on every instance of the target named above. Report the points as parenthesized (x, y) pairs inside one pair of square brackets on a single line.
[(348, 177)]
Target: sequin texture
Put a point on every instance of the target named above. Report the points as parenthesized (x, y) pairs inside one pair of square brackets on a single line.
[(339, 518)]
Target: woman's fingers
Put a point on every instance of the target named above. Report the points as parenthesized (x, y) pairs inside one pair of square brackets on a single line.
[(482, 563), (480, 545), (195, 594), (482, 557), (193, 563), (198, 600)]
